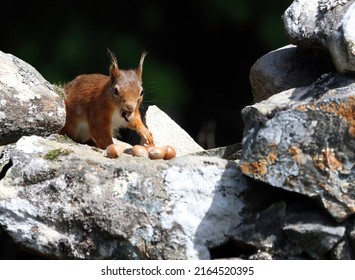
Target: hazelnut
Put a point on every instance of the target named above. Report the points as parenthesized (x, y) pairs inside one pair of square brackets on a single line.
[(114, 150), (139, 151), (156, 153), (169, 152)]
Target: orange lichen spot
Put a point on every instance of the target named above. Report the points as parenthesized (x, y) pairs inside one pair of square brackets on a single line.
[(294, 150), (296, 153), (330, 107), (256, 168), (326, 160), (302, 108), (272, 156), (345, 110), (305, 107), (318, 161)]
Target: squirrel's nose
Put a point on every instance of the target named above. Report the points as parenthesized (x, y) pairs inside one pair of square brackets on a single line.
[(129, 107)]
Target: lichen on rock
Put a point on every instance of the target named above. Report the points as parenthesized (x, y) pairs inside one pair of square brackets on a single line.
[(313, 138)]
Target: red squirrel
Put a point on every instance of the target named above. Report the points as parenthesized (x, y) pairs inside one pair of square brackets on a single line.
[(97, 104)]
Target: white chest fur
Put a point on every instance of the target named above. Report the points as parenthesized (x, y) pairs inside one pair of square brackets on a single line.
[(82, 133)]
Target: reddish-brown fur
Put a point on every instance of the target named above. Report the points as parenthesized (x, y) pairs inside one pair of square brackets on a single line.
[(97, 104)]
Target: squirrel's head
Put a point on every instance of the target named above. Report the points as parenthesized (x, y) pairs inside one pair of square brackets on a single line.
[(125, 87)]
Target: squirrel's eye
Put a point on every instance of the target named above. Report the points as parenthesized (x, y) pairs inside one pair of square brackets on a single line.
[(116, 92)]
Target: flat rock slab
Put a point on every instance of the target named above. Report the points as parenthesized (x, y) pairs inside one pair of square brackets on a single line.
[(167, 132)]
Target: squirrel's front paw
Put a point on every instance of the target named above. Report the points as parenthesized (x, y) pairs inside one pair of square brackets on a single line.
[(147, 137)]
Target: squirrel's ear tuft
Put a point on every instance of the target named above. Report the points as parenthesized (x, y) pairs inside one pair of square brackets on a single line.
[(139, 70), (114, 70)]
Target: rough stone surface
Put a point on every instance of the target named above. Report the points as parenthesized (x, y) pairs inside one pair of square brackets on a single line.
[(291, 230), (303, 140), (327, 24), (342, 46), (317, 238), (230, 152), (59, 199), (167, 132), (286, 68), (28, 103), (65, 200)]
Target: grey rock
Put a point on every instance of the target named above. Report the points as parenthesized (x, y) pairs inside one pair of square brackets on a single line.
[(230, 152), (342, 251), (60, 199), (167, 132), (261, 256), (28, 103), (326, 24), (284, 230), (263, 231), (64, 200), (315, 240), (286, 68), (352, 238), (303, 139), (314, 233), (342, 43), (351, 234)]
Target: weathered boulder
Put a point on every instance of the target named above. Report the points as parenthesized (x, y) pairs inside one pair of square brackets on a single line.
[(285, 68), (303, 140), (65, 200), (291, 230), (59, 199), (28, 103), (327, 24), (318, 238)]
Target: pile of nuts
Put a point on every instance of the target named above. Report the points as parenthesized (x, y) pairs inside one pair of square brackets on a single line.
[(150, 151)]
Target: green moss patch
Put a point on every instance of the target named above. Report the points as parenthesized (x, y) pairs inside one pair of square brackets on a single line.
[(54, 154)]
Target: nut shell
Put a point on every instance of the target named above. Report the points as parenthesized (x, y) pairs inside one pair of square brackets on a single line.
[(114, 150), (156, 153), (139, 151), (169, 152)]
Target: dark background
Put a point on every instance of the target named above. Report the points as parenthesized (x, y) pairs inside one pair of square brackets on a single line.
[(200, 52)]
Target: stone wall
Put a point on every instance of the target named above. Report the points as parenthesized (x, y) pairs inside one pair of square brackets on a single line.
[(285, 192)]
